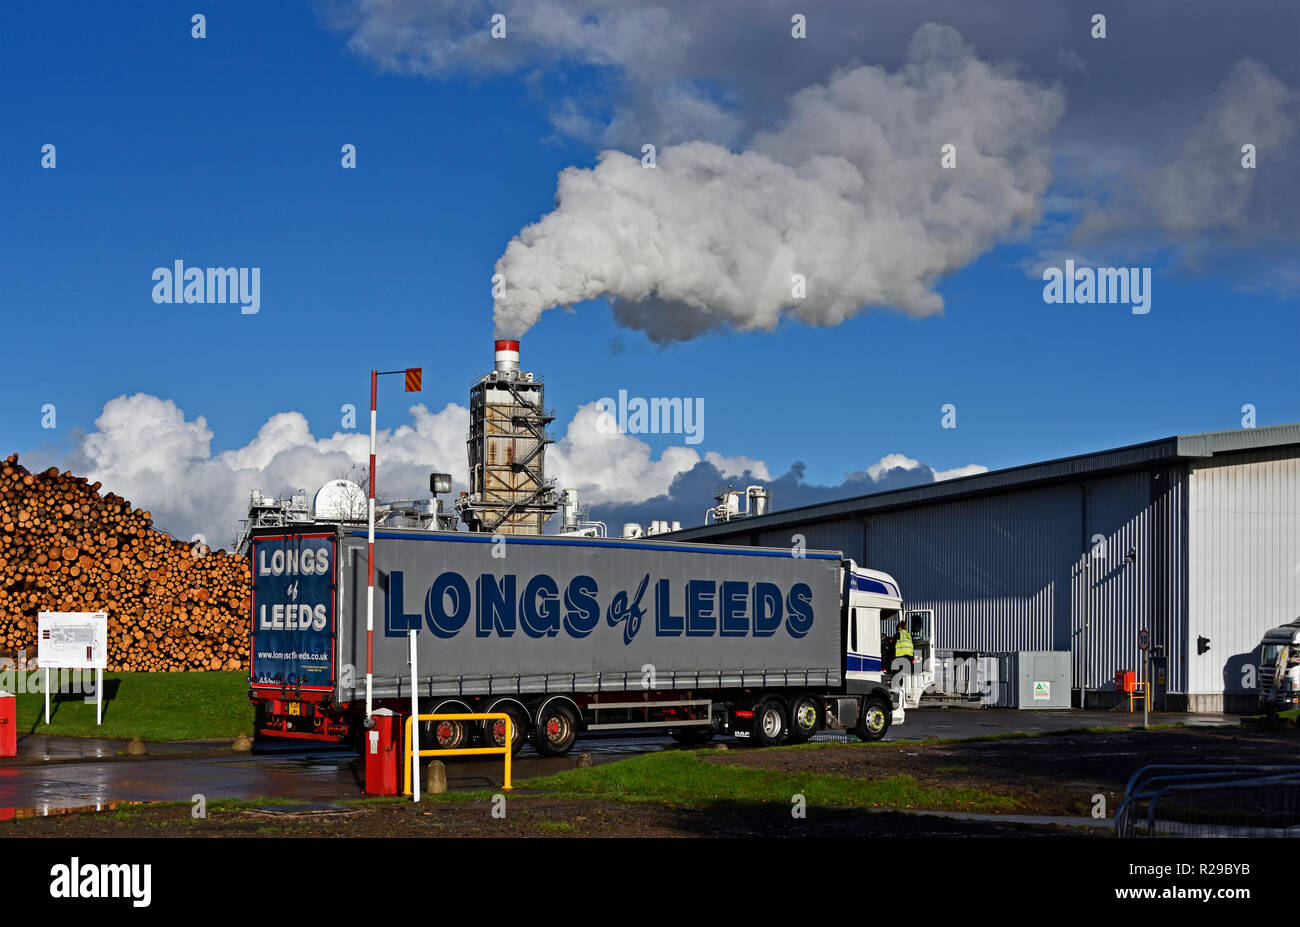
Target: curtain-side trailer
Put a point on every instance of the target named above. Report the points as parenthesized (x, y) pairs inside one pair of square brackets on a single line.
[(566, 634)]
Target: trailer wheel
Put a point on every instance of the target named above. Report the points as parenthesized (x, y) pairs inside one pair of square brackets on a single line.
[(494, 732), (445, 735), (805, 718), (874, 720), (556, 729), (770, 726)]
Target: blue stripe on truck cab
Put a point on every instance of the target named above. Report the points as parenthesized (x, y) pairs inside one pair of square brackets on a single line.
[(861, 663), (869, 584)]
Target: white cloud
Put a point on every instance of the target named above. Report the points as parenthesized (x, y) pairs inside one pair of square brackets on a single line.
[(607, 466), (891, 462), (145, 449), (738, 465)]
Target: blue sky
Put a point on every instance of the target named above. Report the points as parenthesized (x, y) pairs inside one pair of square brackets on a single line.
[(225, 151)]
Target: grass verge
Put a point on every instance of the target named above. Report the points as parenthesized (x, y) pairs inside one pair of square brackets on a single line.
[(151, 706), (687, 778)]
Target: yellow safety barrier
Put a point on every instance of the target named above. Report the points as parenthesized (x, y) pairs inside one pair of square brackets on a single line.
[(1139, 694), (470, 751)]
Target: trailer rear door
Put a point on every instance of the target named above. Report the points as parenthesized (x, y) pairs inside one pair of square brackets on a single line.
[(293, 612)]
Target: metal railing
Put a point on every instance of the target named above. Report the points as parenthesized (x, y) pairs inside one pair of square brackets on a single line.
[(461, 751), (1211, 801)]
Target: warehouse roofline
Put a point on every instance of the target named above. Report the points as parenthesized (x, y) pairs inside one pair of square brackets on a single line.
[(1180, 448)]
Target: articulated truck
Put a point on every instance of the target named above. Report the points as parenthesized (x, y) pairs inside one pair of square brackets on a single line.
[(565, 635)]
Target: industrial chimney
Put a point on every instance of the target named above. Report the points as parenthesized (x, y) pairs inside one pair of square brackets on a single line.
[(508, 489), (507, 357)]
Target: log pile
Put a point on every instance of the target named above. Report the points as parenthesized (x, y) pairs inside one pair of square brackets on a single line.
[(66, 548)]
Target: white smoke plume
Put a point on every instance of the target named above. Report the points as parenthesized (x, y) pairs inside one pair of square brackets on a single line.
[(849, 193)]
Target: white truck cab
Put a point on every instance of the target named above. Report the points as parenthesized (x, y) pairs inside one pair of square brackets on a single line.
[(873, 603), (1279, 668)]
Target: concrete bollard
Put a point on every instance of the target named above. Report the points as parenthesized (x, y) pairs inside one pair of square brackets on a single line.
[(136, 748), (436, 777), (584, 760), (242, 744)]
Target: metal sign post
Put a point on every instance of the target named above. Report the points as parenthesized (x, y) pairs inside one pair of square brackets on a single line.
[(415, 724), (1144, 644)]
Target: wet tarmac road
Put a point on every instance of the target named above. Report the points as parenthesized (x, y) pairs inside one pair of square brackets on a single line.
[(89, 772)]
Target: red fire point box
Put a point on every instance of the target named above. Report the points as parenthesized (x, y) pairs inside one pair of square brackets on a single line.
[(383, 758), (8, 725)]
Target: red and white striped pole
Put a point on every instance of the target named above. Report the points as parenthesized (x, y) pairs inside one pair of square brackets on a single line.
[(370, 550), (414, 383)]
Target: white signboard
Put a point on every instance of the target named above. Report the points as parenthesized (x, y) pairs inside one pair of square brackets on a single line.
[(72, 640), (1042, 690)]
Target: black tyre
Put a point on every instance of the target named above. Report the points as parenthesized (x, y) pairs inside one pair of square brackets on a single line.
[(556, 729), (493, 732), (770, 725), (691, 736), (444, 735), (806, 718), (873, 723)]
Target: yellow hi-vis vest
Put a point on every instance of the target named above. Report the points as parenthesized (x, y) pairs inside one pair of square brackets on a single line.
[(903, 647)]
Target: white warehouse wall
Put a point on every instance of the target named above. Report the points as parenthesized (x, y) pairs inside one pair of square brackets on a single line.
[(1243, 569)]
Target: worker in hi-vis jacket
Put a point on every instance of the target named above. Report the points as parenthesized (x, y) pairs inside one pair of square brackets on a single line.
[(903, 646)]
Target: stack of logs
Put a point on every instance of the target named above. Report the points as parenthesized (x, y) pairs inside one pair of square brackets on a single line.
[(65, 548)]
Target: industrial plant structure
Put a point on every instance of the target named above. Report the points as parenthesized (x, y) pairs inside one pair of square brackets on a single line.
[(1194, 538), (508, 489)]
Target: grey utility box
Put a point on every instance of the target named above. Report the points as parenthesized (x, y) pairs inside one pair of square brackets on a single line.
[(1034, 679)]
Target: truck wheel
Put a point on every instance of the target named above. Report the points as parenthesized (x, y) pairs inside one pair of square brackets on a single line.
[(805, 718), (494, 732), (445, 735), (556, 729), (769, 723), (874, 720)]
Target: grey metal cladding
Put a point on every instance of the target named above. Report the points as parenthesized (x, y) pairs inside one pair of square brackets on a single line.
[(1243, 563), (843, 534), (996, 570), (473, 663), (1165, 451)]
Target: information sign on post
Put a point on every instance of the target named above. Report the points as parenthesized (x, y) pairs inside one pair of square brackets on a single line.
[(73, 640)]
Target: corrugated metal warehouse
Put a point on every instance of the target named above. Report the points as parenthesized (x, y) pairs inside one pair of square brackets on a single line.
[(1191, 537)]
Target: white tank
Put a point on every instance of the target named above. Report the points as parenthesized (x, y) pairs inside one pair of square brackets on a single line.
[(569, 508), (632, 530)]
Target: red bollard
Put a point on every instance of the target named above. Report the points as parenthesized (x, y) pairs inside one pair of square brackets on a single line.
[(8, 725), (380, 744)]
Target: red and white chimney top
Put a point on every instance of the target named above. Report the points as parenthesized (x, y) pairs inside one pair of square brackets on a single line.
[(507, 356)]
